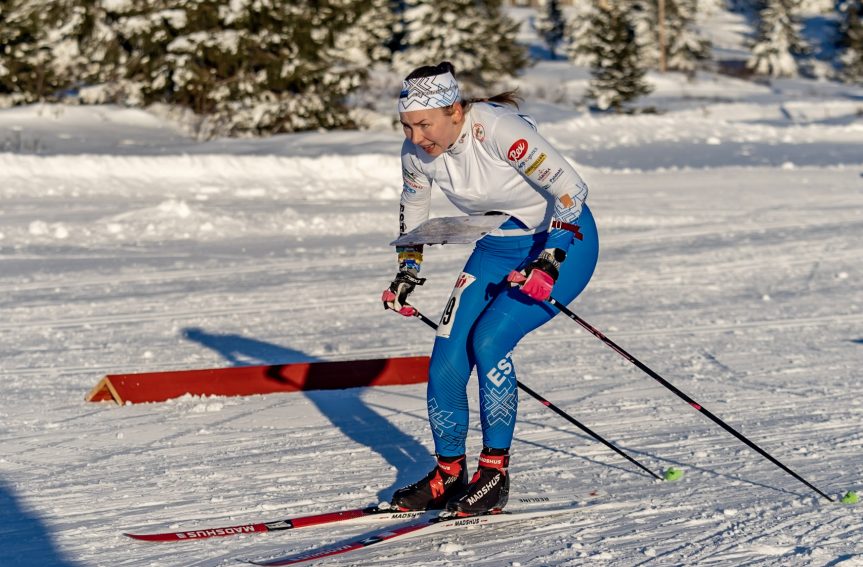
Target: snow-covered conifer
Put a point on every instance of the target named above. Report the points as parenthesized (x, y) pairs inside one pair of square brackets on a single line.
[(779, 42), (580, 36), (817, 6), (851, 41), (550, 24), (684, 46), (41, 48), (475, 36), (644, 18), (367, 34), (710, 6), (618, 76), (245, 66)]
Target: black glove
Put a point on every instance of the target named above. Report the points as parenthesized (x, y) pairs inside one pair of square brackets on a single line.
[(395, 297)]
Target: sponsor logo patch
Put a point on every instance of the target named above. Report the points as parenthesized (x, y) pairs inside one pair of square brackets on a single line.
[(533, 167), (523, 163), (517, 150), (409, 175), (479, 132), (413, 183)]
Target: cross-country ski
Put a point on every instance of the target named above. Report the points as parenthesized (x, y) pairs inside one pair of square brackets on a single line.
[(416, 529), (358, 515)]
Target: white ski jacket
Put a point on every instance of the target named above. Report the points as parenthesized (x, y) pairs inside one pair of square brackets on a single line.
[(498, 163)]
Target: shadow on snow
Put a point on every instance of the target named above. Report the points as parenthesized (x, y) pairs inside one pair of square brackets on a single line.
[(345, 409), (25, 540)]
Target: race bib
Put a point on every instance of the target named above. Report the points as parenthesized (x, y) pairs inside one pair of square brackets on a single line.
[(449, 312)]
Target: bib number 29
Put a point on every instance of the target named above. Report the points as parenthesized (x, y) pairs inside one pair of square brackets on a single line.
[(449, 313)]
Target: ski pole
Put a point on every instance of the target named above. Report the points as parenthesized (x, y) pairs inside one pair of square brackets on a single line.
[(596, 333), (560, 412)]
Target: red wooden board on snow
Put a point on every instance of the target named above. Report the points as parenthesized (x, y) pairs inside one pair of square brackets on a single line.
[(251, 380)]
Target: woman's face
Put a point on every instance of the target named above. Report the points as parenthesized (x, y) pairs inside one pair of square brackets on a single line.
[(433, 130)]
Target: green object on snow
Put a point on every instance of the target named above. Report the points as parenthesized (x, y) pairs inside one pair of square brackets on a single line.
[(672, 474), (850, 498)]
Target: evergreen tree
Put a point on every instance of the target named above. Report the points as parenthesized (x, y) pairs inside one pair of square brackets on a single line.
[(128, 46), (41, 48), (817, 6), (550, 24), (368, 39), (579, 38), (476, 36), (710, 6), (618, 76), (396, 41), (248, 66), (684, 47), (644, 18), (778, 40), (851, 41)]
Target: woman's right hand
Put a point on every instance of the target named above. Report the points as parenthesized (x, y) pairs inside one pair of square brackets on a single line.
[(395, 296)]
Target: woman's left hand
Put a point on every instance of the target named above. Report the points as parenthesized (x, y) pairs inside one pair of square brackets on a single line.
[(537, 280), (536, 284)]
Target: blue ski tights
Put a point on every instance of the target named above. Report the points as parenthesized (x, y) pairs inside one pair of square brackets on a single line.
[(483, 321)]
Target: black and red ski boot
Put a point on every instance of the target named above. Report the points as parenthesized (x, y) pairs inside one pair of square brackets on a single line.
[(488, 490), (446, 480)]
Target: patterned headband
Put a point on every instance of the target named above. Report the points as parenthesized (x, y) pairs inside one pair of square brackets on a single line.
[(423, 93)]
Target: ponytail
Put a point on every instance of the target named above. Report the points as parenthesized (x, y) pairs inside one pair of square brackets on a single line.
[(509, 98)]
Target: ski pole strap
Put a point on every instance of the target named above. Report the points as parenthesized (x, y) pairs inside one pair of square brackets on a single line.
[(573, 228)]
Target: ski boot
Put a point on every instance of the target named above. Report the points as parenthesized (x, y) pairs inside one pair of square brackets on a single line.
[(433, 492), (488, 490)]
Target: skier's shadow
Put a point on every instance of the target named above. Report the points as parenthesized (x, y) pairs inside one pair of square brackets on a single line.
[(25, 539), (345, 409)]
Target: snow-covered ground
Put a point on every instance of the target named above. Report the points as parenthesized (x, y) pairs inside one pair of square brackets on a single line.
[(731, 262)]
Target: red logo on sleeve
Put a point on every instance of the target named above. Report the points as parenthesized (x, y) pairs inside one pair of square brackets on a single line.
[(517, 150)]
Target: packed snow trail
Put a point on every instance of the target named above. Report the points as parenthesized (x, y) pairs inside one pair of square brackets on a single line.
[(742, 284)]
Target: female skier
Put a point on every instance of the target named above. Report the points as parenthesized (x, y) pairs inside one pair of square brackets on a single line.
[(487, 158)]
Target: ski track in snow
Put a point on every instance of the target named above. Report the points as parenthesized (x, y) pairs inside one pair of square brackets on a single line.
[(735, 272)]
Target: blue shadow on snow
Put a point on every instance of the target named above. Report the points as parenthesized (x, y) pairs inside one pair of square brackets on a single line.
[(345, 409), (24, 539)]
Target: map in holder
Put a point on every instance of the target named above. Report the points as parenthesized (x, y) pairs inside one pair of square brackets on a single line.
[(451, 230)]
